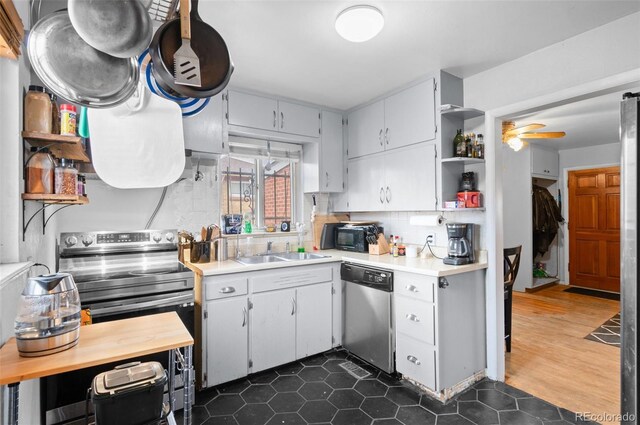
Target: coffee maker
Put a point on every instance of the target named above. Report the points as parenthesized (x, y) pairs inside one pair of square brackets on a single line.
[(460, 246)]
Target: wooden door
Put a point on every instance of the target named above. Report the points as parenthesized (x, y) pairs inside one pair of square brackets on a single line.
[(227, 340), (594, 228), (410, 116), (273, 329)]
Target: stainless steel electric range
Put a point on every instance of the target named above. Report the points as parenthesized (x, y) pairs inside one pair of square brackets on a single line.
[(119, 275)]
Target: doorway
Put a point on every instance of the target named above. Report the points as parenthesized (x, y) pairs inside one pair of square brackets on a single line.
[(594, 228)]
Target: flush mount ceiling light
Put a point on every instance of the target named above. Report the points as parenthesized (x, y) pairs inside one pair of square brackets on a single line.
[(359, 23)]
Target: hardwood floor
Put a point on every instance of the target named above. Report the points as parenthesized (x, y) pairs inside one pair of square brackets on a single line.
[(551, 359)]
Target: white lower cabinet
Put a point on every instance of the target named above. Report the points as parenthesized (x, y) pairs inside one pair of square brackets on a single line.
[(440, 329), (259, 320), (313, 319), (273, 329), (227, 351)]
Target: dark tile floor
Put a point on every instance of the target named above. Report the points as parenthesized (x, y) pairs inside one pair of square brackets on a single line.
[(317, 390)]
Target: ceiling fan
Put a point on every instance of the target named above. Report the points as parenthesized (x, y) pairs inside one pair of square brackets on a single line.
[(513, 135)]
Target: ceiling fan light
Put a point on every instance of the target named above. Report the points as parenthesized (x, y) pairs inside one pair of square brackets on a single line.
[(515, 143), (359, 23)]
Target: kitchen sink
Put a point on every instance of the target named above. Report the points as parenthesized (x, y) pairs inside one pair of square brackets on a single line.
[(279, 257), (260, 259), (293, 256)]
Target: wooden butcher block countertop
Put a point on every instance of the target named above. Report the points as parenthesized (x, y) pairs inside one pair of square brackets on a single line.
[(99, 344)]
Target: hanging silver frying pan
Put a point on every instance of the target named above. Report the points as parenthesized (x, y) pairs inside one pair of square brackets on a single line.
[(120, 28), (74, 70)]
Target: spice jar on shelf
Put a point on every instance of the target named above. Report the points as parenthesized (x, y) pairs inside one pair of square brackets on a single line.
[(67, 120), (66, 178), (37, 110), (39, 171), (55, 114)]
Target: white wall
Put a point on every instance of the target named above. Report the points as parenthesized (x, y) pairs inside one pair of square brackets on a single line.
[(579, 159), (599, 53)]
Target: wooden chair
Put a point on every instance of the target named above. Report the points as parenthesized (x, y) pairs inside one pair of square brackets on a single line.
[(511, 266)]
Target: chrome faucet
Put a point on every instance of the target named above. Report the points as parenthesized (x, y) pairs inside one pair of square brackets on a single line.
[(238, 253), (269, 244), (287, 247)]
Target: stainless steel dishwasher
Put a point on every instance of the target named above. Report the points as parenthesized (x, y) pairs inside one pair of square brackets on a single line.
[(368, 315)]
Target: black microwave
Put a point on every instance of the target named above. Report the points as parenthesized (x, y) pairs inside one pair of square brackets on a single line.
[(353, 238)]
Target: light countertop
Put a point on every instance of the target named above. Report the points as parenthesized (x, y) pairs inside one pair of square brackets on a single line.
[(430, 266)]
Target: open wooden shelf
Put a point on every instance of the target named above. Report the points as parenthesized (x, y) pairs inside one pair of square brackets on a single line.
[(464, 113), (69, 147), (56, 199), (463, 160)]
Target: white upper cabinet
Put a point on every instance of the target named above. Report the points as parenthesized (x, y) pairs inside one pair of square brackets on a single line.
[(298, 119), (410, 178), (366, 130), (398, 180), (331, 147), (366, 184), (544, 162), (405, 118), (248, 110), (410, 116), (265, 113)]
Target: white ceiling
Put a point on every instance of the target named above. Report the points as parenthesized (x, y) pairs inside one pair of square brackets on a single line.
[(589, 122), (291, 48)]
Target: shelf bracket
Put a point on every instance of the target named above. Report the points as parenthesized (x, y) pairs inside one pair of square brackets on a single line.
[(45, 219)]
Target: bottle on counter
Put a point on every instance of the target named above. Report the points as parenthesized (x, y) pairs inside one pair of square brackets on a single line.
[(396, 241), (40, 171), (66, 178), (67, 120), (402, 249), (37, 110)]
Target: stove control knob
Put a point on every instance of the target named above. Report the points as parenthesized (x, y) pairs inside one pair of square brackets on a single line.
[(169, 236), (71, 241), (87, 240), (157, 237)]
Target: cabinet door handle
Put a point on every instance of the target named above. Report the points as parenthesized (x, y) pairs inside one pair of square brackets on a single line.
[(386, 136), (382, 195), (388, 197), (380, 137), (412, 288), (413, 317), (293, 306), (274, 118), (414, 360), (281, 119), (227, 290), (244, 316), (327, 182)]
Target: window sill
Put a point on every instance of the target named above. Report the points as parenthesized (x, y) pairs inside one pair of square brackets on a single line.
[(263, 234)]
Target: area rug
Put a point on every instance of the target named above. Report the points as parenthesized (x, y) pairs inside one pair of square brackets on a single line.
[(608, 333), (594, 293)]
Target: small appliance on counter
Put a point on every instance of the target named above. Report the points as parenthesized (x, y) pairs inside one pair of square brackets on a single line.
[(48, 319), (328, 237), (130, 394), (468, 197), (460, 248), (356, 238)]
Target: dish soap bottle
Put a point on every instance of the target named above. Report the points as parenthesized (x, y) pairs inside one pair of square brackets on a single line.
[(248, 228)]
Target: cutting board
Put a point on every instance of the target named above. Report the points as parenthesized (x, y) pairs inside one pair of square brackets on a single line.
[(319, 222)]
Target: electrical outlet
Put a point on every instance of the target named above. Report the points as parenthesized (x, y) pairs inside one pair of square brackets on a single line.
[(431, 238)]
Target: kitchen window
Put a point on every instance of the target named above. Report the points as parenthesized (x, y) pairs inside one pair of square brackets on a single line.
[(259, 180)]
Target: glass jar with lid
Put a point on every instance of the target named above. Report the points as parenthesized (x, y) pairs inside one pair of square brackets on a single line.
[(40, 170), (66, 178), (37, 110)]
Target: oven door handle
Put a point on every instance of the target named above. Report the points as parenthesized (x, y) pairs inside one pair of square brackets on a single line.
[(165, 302)]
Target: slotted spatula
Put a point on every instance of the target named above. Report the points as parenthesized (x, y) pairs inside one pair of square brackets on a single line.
[(186, 65)]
